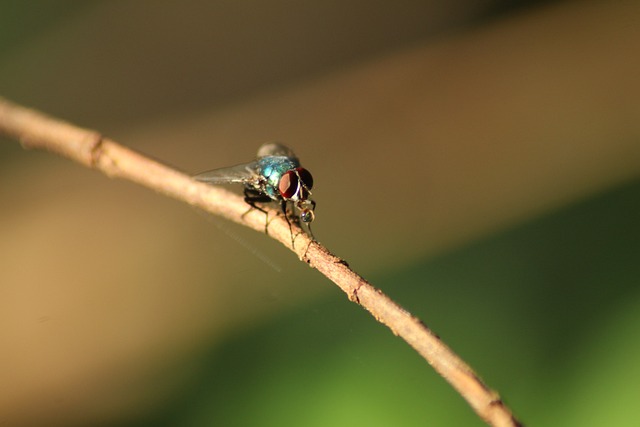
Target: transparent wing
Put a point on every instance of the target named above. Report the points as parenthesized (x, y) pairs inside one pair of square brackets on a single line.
[(242, 174), (276, 149)]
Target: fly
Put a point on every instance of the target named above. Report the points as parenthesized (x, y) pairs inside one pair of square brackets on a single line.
[(275, 176)]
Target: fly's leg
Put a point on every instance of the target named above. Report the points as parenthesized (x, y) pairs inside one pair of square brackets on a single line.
[(301, 213), (251, 197), (313, 208), (283, 206), (301, 221), (310, 232), (306, 221)]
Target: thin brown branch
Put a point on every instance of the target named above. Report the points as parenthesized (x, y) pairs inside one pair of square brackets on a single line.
[(37, 131)]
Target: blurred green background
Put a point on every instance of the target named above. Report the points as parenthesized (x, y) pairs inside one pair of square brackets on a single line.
[(477, 161)]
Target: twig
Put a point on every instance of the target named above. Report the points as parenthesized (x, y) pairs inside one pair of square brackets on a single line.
[(37, 131)]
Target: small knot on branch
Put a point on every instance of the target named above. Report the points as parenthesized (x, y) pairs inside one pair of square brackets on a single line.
[(353, 295), (95, 152)]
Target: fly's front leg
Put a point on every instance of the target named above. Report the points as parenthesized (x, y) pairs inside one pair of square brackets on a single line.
[(251, 197), (313, 208), (283, 206)]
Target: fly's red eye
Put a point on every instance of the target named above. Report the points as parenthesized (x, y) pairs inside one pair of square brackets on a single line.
[(288, 185), (305, 177)]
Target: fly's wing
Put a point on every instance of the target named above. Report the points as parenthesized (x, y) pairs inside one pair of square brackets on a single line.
[(240, 174), (276, 149)]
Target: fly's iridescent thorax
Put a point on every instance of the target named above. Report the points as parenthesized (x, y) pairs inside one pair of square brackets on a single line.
[(272, 169)]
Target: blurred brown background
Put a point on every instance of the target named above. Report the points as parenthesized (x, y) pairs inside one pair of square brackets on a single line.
[(469, 157)]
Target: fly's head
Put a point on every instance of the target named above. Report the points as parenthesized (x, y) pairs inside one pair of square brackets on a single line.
[(295, 185)]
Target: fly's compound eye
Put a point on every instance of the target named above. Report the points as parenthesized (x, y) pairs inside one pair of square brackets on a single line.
[(288, 185), (296, 184), (305, 178)]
